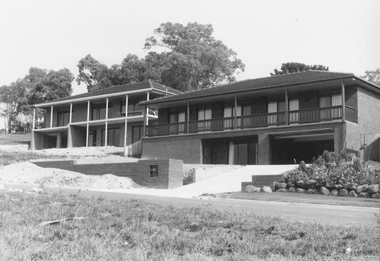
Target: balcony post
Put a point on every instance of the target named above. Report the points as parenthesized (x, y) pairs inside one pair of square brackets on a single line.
[(147, 109), (34, 118), (106, 127), (51, 116), (125, 123), (235, 113), (343, 101), (87, 124), (188, 117), (145, 121), (286, 107), (71, 113)]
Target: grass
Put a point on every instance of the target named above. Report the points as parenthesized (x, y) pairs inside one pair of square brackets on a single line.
[(15, 139), (137, 230), (304, 198), (9, 157)]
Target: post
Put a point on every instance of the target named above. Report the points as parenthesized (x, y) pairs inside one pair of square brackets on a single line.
[(88, 119), (125, 123), (235, 113), (106, 127), (286, 107), (71, 113), (51, 116), (188, 117), (144, 124), (343, 101), (147, 109), (34, 118)]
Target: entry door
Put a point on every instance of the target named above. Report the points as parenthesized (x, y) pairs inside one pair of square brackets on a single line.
[(92, 138), (113, 137), (245, 153)]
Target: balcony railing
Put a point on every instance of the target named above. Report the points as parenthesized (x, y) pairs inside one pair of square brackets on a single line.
[(253, 121)]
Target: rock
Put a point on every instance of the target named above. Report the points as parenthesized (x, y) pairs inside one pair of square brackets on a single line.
[(361, 188), (2, 186), (310, 184), (334, 192), (302, 166), (266, 189), (251, 189), (372, 164), (290, 184), (280, 185), (350, 186), (300, 190), (352, 194), (376, 195), (300, 184), (330, 186), (358, 165), (324, 191), (37, 190), (312, 191), (374, 188), (363, 195), (343, 192), (339, 186), (282, 190), (292, 189)]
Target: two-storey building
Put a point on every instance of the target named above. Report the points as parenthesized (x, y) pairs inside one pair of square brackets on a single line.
[(272, 120), (106, 117)]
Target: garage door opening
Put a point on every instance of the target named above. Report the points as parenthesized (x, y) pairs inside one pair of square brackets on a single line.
[(292, 149)]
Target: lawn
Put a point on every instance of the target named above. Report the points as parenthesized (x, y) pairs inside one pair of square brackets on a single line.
[(15, 139), (137, 230), (304, 198)]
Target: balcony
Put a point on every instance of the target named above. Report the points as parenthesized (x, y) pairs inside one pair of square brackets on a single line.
[(304, 116)]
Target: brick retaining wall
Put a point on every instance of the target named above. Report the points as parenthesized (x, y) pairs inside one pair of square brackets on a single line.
[(262, 180), (170, 172)]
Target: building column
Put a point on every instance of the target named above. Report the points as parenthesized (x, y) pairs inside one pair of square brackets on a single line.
[(187, 117), (71, 113), (343, 101), (34, 119), (51, 116), (106, 127), (126, 123), (88, 119), (235, 112), (231, 153), (147, 109), (263, 144), (286, 107)]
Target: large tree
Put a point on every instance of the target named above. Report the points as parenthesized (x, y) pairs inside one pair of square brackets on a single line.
[(192, 59), (373, 76), (293, 67), (38, 86)]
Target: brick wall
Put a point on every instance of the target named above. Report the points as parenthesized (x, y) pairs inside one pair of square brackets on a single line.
[(262, 180), (170, 172), (189, 147)]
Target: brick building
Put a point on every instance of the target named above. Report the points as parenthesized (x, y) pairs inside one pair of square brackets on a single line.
[(272, 120), (107, 117)]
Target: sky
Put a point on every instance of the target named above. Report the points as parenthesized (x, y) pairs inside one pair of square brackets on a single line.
[(343, 35)]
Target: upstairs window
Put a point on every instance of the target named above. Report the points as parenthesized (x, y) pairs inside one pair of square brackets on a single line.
[(204, 115), (330, 101), (63, 118)]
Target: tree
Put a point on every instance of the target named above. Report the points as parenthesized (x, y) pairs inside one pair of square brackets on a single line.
[(293, 67), (373, 76), (195, 59)]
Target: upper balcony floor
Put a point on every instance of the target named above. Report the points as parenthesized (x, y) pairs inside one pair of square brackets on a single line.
[(257, 110)]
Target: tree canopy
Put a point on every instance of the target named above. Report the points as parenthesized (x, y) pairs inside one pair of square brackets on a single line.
[(192, 59), (293, 67), (373, 76), (38, 86)]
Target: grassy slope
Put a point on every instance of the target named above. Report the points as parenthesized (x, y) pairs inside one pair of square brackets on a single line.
[(136, 230), (15, 139)]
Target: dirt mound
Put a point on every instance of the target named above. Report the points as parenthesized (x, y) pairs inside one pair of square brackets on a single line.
[(29, 173)]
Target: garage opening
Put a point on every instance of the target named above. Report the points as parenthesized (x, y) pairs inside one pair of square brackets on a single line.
[(232, 151), (290, 149)]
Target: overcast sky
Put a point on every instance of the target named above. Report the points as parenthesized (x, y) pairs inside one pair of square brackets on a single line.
[(343, 35)]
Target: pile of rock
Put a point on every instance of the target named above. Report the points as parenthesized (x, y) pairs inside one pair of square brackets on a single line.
[(252, 189), (313, 187)]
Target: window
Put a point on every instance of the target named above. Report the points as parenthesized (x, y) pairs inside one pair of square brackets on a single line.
[(113, 137), (274, 117), (153, 173), (229, 114), (98, 111), (178, 118), (330, 101), (293, 106), (204, 115)]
